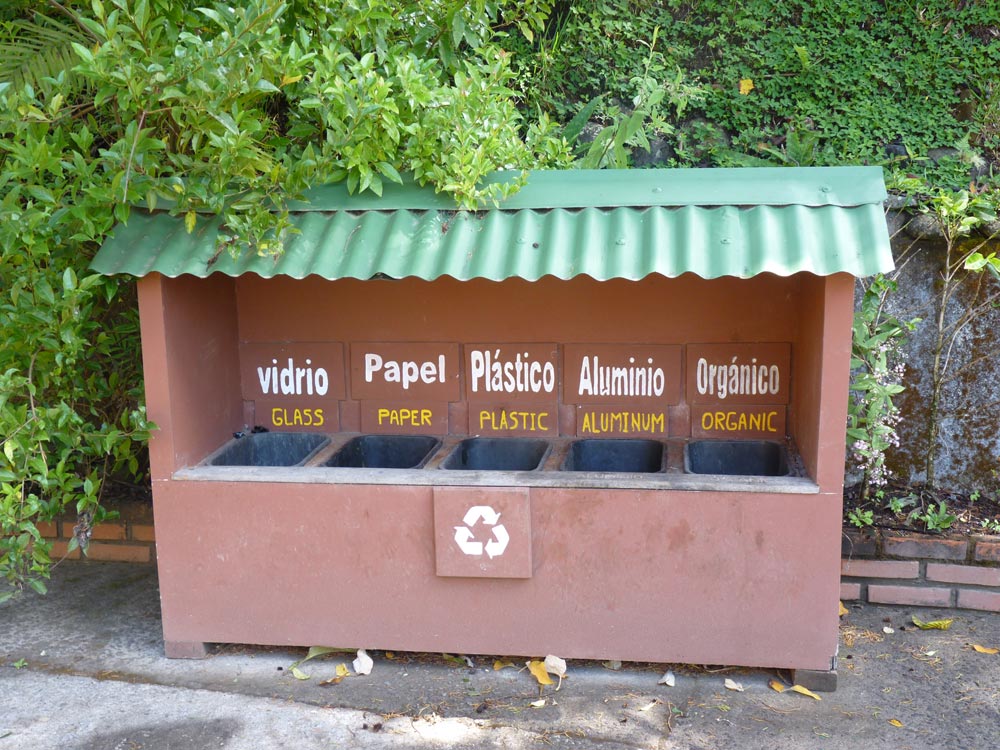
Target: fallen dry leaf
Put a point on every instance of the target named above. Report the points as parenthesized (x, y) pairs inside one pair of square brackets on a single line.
[(537, 668), (363, 664), (804, 691), (668, 679), (933, 624), (985, 650), (777, 686), (342, 670), (333, 680), (555, 665), (539, 703), (613, 664), (498, 665), (897, 722), (733, 685), (843, 610), (298, 674)]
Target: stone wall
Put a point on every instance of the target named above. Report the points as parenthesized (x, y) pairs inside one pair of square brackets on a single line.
[(968, 445)]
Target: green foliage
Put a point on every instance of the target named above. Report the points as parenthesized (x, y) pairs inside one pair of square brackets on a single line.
[(861, 518), (204, 108), (877, 368), (861, 76), (936, 517)]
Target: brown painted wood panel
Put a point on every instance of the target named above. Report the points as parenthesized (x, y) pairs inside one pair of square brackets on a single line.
[(621, 421), (404, 417), (641, 375), (304, 373), (745, 373), (511, 373), (404, 371), (514, 420), (292, 416), (738, 421)]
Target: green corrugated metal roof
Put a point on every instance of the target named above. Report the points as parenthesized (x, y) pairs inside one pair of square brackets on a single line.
[(605, 224)]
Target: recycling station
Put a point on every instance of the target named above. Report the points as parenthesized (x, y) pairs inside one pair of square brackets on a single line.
[(602, 420)]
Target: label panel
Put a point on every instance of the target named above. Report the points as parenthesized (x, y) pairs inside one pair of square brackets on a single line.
[(295, 416), (514, 419), (738, 421), (622, 374), (621, 421), (511, 373), (404, 418), (738, 373), (404, 371), (305, 373)]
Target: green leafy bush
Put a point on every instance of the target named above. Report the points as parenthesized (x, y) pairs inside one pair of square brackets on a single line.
[(861, 75), (203, 108)]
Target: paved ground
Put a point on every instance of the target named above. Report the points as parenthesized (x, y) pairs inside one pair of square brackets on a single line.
[(82, 669)]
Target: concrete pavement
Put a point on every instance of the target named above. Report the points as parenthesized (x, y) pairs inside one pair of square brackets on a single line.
[(82, 668)]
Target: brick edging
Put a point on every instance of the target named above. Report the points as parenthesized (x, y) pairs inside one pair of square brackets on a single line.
[(119, 541), (921, 570)]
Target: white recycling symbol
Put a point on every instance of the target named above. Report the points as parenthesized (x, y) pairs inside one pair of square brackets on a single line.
[(464, 536)]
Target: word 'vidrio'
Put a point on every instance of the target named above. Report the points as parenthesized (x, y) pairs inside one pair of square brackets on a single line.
[(292, 380)]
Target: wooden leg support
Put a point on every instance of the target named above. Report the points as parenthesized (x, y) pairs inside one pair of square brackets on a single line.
[(185, 649)]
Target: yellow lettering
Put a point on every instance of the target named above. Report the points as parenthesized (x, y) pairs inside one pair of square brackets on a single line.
[(319, 418), (425, 417), (588, 422), (770, 416), (383, 414), (541, 425), (276, 419)]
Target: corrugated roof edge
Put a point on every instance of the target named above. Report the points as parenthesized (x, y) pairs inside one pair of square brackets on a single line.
[(611, 188)]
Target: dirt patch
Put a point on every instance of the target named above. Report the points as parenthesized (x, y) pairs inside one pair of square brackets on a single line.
[(907, 508)]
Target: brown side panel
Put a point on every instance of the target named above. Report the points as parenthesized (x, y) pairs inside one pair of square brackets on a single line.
[(832, 417), (203, 362)]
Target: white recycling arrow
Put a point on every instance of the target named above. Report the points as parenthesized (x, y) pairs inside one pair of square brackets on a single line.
[(485, 512), (463, 537), (498, 544)]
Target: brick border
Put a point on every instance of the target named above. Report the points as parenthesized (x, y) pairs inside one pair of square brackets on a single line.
[(921, 570), (118, 540)]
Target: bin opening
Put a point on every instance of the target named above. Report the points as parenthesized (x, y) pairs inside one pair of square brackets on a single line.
[(742, 457), (644, 456), (385, 451), (269, 449), (497, 454)]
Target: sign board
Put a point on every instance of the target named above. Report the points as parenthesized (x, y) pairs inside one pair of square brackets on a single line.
[(404, 372), (294, 386), (622, 374), (732, 390), (512, 374), (738, 373)]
